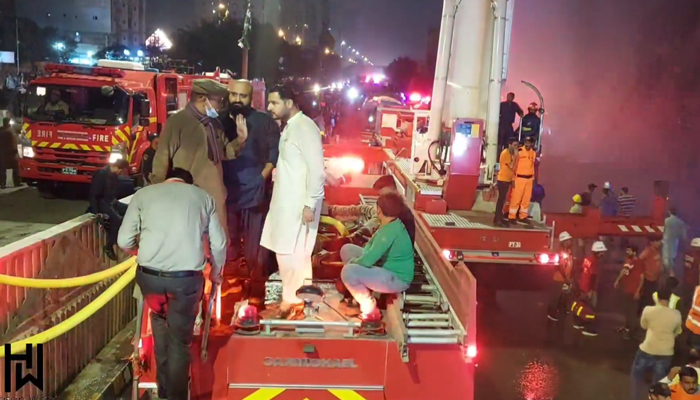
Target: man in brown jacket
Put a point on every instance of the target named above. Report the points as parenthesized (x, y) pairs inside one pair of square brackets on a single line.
[(8, 154), (193, 140)]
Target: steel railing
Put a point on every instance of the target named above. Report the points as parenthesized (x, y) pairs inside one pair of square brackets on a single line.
[(65, 355)]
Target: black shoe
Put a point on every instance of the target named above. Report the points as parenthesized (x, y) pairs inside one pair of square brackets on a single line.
[(109, 252), (523, 221)]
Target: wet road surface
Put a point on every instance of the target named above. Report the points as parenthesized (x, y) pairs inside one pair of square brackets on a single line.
[(24, 212), (524, 356)]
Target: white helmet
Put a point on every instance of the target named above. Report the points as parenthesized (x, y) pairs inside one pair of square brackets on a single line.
[(564, 236), (598, 247), (695, 242), (607, 185)]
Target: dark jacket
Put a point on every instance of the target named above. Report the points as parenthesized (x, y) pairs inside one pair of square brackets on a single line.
[(103, 190), (508, 111), (8, 145), (243, 176), (147, 163), (531, 126)]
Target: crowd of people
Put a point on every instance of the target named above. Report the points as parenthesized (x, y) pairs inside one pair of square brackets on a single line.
[(658, 305), (209, 175)]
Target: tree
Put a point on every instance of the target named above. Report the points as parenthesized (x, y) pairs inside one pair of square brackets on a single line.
[(401, 71), (212, 44), (35, 43)]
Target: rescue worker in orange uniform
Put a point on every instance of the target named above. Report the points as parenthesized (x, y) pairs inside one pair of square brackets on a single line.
[(506, 174), (562, 280), (691, 275), (588, 288), (524, 180)]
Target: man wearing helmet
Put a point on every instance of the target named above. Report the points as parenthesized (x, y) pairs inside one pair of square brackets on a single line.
[(588, 286), (562, 280), (531, 123)]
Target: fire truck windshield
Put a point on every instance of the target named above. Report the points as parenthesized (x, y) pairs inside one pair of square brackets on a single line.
[(106, 105)]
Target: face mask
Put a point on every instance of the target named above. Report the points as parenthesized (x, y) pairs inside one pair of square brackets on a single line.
[(211, 112)]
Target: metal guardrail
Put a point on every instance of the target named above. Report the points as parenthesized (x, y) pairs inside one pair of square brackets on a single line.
[(65, 356)]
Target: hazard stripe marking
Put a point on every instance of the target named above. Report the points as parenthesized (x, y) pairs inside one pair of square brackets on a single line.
[(636, 228), (55, 145), (661, 228), (649, 229), (264, 394), (346, 394), (623, 228)]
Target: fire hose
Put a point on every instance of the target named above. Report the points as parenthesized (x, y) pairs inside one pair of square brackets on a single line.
[(334, 223), (80, 316), (68, 282)]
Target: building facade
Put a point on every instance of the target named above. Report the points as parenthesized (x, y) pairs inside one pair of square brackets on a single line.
[(264, 11), (88, 22), (306, 19), (93, 24), (129, 22)]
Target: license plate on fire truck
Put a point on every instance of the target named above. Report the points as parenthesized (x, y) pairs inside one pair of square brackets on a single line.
[(69, 171)]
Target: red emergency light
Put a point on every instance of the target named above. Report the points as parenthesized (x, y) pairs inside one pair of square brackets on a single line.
[(545, 258), (94, 71)]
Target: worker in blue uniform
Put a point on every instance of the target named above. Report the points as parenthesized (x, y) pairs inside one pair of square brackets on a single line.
[(248, 182)]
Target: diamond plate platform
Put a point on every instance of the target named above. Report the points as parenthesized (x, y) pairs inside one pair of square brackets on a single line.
[(404, 164), (452, 221)]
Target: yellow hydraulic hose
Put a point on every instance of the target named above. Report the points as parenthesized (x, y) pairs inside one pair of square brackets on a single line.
[(337, 224), (77, 318), (68, 282)]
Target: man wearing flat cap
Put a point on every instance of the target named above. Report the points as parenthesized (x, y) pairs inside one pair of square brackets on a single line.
[(193, 140)]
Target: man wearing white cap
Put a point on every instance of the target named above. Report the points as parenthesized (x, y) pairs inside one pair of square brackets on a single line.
[(588, 284), (562, 280)]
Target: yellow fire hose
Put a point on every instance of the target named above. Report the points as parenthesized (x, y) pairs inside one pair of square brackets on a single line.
[(68, 282), (80, 316), (333, 222)]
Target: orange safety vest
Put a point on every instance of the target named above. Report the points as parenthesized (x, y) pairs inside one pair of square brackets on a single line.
[(693, 320), (526, 162), (679, 394)]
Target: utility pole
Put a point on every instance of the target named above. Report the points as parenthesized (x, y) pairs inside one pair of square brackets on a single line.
[(17, 43), (243, 42)]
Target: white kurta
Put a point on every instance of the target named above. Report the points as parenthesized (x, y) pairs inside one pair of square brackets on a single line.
[(299, 180)]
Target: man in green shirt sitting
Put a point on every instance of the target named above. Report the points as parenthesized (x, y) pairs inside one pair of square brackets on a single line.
[(385, 265)]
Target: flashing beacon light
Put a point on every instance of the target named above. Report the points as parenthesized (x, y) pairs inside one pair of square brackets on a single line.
[(415, 97), (353, 93), (447, 254), (472, 351), (247, 320), (543, 258)]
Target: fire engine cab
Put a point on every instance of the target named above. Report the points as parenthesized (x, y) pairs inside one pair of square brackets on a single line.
[(79, 119)]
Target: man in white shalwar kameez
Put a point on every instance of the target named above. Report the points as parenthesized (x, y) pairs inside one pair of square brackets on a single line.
[(297, 196)]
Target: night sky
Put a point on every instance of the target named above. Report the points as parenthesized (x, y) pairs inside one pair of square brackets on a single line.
[(619, 78), (380, 29)]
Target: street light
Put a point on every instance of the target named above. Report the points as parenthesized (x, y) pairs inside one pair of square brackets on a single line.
[(221, 6), (343, 43), (328, 51), (298, 40), (280, 33)]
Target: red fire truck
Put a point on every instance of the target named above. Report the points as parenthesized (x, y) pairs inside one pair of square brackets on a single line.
[(79, 119)]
